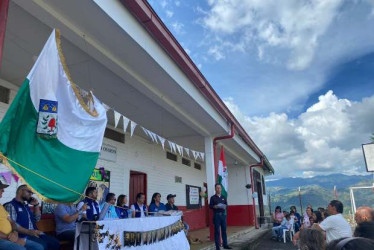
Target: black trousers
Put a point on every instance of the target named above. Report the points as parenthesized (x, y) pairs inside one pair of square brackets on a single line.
[(68, 235), (219, 220)]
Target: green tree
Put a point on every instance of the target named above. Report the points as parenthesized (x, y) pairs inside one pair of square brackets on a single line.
[(372, 137)]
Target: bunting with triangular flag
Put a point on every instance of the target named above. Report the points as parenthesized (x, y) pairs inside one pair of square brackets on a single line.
[(133, 126), (117, 116), (125, 123)]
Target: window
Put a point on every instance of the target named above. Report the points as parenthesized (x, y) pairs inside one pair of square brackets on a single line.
[(114, 135), (178, 179), (186, 162), (197, 166), (171, 156), (4, 94)]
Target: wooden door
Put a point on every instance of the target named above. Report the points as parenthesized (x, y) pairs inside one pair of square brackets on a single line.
[(260, 202), (138, 184)]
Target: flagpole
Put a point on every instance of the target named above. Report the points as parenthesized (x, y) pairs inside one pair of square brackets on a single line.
[(301, 204)]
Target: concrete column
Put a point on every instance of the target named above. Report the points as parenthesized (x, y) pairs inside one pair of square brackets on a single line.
[(209, 165)]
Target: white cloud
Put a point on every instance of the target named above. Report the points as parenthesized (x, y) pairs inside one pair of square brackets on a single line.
[(163, 3), (324, 139), (294, 25), (178, 27), (169, 13), (216, 52), (177, 3)]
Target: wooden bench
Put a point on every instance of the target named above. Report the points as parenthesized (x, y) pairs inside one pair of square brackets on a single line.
[(48, 226)]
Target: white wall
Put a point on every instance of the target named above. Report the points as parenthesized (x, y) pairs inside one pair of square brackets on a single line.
[(238, 194), (137, 154), (141, 155), (239, 176)]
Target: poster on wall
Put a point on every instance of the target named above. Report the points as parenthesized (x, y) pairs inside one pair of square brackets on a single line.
[(100, 179), (47, 209), (193, 199)]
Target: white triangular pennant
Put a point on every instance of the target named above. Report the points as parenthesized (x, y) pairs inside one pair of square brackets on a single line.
[(171, 147), (187, 151), (162, 140), (125, 123), (174, 146), (199, 154), (117, 116), (133, 125), (194, 153), (202, 155), (180, 149), (147, 132), (154, 137)]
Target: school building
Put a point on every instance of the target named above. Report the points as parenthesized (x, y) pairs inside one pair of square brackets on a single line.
[(123, 52)]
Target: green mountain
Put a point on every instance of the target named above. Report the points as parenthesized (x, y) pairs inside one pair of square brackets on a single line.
[(318, 191)]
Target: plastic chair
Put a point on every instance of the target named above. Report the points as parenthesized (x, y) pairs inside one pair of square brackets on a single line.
[(291, 231)]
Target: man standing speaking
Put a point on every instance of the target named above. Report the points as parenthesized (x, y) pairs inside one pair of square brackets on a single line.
[(218, 203)]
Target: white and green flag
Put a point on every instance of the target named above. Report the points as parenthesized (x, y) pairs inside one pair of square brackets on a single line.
[(223, 176), (50, 136)]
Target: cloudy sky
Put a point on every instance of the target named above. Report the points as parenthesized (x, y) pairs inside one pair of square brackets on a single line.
[(299, 75)]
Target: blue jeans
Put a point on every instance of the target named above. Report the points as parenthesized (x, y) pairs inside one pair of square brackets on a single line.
[(278, 231), (219, 220), (8, 245), (32, 245), (48, 242)]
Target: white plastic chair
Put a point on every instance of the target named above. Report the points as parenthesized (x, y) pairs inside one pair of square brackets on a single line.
[(291, 231)]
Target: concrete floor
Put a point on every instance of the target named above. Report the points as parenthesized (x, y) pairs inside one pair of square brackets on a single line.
[(203, 236), (268, 244), (242, 238)]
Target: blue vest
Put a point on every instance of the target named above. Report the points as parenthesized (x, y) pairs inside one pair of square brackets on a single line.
[(122, 212), (90, 212), (23, 215), (137, 208)]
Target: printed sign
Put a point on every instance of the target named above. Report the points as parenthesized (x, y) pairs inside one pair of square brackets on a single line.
[(194, 196), (193, 200), (108, 153)]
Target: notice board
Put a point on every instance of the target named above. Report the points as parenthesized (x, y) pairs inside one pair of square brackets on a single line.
[(193, 200)]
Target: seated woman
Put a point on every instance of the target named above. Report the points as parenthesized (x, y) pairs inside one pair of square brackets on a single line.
[(111, 212), (139, 209), (306, 222), (297, 218), (277, 216), (156, 205), (121, 209)]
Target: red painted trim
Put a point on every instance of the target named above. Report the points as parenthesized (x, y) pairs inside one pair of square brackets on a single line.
[(240, 215), (145, 14), (195, 218), (4, 6)]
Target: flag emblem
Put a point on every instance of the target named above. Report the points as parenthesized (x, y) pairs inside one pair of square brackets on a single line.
[(47, 120)]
